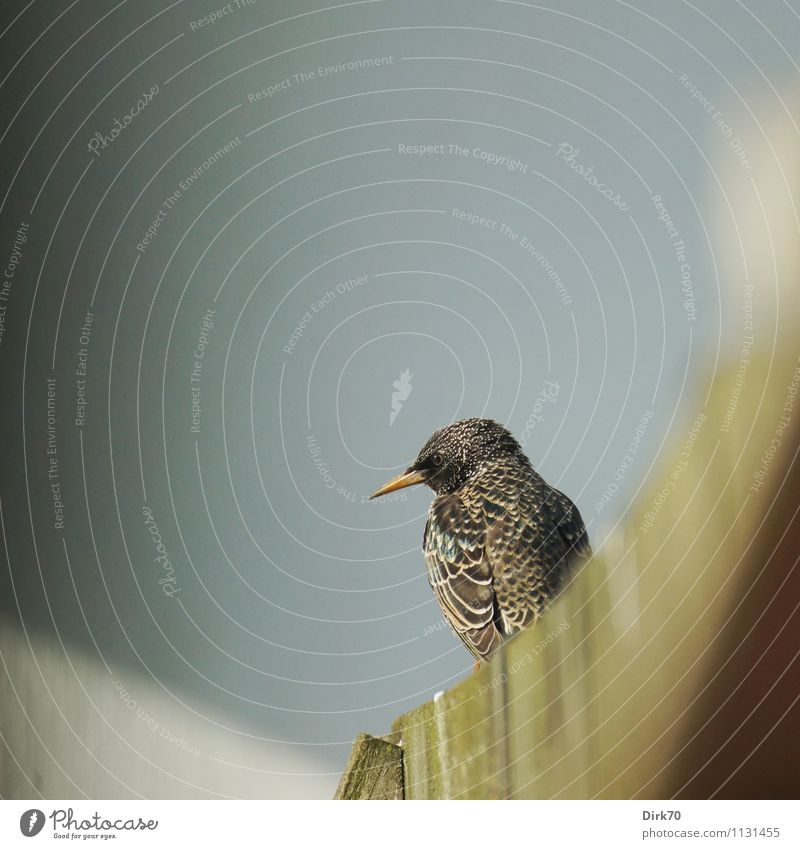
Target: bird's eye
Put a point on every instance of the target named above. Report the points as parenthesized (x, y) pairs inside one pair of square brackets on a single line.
[(436, 459)]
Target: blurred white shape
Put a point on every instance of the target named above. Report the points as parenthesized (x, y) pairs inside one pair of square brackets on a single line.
[(402, 389), (71, 729)]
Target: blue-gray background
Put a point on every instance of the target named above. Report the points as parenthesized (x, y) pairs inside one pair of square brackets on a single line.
[(299, 613)]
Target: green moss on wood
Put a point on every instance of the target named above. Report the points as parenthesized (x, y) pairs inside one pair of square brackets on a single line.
[(374, 771)]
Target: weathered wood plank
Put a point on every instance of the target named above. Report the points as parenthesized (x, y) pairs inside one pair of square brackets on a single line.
[(419, 740), (374, 770), (672, 656)]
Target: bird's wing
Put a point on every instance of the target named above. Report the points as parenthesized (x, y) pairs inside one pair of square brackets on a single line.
[(460, 574), (531, 547), (570, 525)]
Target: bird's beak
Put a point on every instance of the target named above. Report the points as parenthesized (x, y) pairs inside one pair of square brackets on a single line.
[(408, 478)]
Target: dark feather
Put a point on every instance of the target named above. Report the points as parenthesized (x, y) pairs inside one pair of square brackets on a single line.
[(499, 549)]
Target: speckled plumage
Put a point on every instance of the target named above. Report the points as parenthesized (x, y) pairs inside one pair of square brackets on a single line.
[(499, 541)]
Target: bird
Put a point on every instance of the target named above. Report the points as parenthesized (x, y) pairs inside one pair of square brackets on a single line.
[(499, 542)]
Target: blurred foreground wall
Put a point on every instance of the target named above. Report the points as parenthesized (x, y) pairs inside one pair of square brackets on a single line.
[(73, 729)]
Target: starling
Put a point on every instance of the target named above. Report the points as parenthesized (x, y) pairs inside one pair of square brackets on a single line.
[(499, 542)]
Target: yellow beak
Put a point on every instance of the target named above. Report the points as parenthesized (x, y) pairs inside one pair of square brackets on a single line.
[(400, 482)]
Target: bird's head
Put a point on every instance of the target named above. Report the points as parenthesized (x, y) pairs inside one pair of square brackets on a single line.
[(453, 454)]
